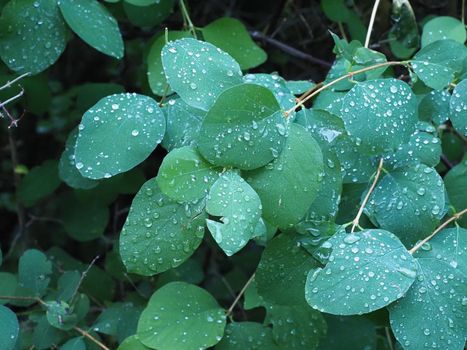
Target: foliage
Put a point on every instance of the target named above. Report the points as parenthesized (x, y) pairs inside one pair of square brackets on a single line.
[(180, 177)]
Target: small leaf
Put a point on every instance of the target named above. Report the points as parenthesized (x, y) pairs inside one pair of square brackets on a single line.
[(185, 176), (432, 313), (403, 35), (74, 344), (456, 188), (276, 84), (181, 315), (9, 328), (244, 128), (198, 72), (136, 119), (230, 35), (366, 271), (458, 107), (441, 28), (288, 185), (408, 201), (159, 233), (380, 114), (239, 207), (25, 45), (143, 13), (247, 335), (60, 316), (91, 21), (435, 107), (34, 270)]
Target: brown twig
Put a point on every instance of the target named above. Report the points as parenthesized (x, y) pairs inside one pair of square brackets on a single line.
[(240, 294), (91, 338)]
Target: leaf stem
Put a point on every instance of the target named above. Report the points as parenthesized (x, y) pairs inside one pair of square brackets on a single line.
[(335, 81), (24, 298), (186, 17), (367, 197), (443, 225), (91, 338), (237, 299), (10, 83), (372, 22)]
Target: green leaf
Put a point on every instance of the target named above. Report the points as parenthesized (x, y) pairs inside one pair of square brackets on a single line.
[(90, 93), (147, 13), (239, 207), (458, 107), (185, 176), (67, 285), (244, 128), (67, 166), (296, 327), (281, 273), (441, 28), (132, 343), (366, 271), (380, 114), (26, 45), (199, 71), (159, 233), (183, 124), (231, 36), (247, 335), (45, 336), (335, 10), (59, 315), (119, 320), (181, 315), (437, 63), (8, 285), (91, 21), (432, 313), (288, 185), (403, 35), (409, 202), (298, 87), (136, 119), (74, 344), (34, 270), (276, 84), (435, 107), (156, 76), (9, 328), (456, 188)]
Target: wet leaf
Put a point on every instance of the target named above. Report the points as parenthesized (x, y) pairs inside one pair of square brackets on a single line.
[(9, 328), (458, 107), (34, 270), (403, 35), (247, 335), (435, 107), (456, 188), (441, 28)]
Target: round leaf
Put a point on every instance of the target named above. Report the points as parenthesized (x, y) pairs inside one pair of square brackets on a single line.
[(9, 328), (181, 316), (441, 28), (91, 21), (458, 107), (139, 124), (366, 271), (244, 128), (456, 188), (159, 233)]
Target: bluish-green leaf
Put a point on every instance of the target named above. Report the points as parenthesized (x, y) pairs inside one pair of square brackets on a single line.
[(136, 119), (456, 187), (458, 107), (441, 28), (276, 84), (74, 344), (409, 202), (32, 35), (60, 315), (435, 107), (9, 328), (288, 185), (199, 71), (366, 271), (185, 176), (159, 233), (91, 21), (380, 114), (247, 335), (181, 315), (244, 128), (233, 200), (34, 270), (148, 13)]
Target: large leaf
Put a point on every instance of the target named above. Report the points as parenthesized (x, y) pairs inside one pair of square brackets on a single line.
[(458, 107), (32, 35), (409, 202), (244, 128), (441, 28), (181, 316), (239, 207), (230, 35), (380, 114), (281, 274), (288, 185), (366, 271), (199, 71), (91, 21), (136, 119), (159, 233), (437, 63), (432, 313), (9, 328), (247, 335), (185, 176)]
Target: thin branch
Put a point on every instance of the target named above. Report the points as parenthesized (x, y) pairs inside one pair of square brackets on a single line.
[(83, 276), (237, 299), (187, 18), (10, 83), (289, 49), (372, 22), (367, 197), (342, 31), (443, 225), (91, 338), (11, 99), (335, 81), (447, 163), (23, 298)]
